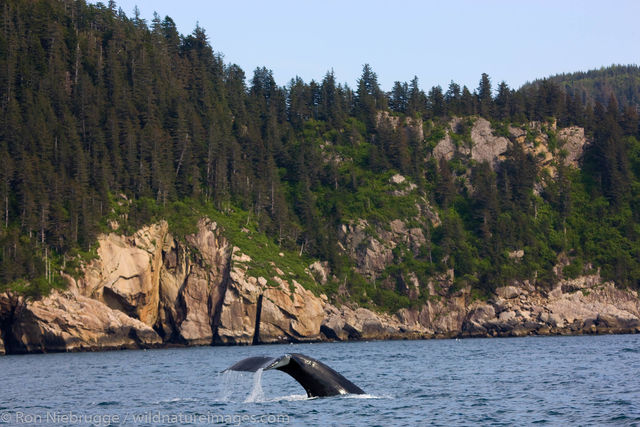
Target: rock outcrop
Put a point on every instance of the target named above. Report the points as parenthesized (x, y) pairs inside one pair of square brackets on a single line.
[(371, 254), (8, 304), (371, 247), (484, 145), (446, 148), (514, 311), (290, 313), (66, 322), (345, 324), (195, 288), (171, 285), (256, 311), (572, 142), (320, 271), (126, 273), (599, 310), (403, 186)]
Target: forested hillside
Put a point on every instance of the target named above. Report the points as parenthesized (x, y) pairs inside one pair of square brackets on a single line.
[(621, 81), (111, 121)]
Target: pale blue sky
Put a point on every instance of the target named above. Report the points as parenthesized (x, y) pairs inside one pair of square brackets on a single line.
[(439, 41)]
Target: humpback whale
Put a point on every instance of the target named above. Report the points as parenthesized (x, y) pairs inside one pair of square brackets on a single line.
[(318, 379)]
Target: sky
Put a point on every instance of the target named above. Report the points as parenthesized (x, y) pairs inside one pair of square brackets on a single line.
[(438, 41)]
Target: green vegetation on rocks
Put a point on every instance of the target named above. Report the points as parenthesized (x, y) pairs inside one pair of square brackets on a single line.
[(112, 122)]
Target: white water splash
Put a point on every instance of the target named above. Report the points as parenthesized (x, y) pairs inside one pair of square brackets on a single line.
[(230, 381), (256, 395), (290, 398), (175, 400), (366, 396)]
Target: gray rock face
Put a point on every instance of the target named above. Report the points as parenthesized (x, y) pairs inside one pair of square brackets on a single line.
[(573, 143), (486, 146), (403, 187), (169, 285), (509, 292), (372, 247), (577, 306), (445, 317), (478, 318), (238, 314), (321, 271), (370, 253), (193, 292), (290, 314), (446, 148)]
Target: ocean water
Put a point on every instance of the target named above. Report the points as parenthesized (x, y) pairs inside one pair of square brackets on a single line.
[(585, 380)]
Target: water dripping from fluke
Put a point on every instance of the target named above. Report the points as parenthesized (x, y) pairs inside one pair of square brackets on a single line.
[(256, 395), (232, 384), (234, 387)]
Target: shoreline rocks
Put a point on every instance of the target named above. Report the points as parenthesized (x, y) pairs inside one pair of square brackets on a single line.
[(151, 290), (66, 322)]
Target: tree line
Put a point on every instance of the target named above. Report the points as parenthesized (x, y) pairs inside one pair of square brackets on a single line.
[(96, 104)]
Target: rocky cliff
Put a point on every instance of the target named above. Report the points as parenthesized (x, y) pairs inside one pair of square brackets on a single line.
[(67, 322), (151, 289), (474, 139)]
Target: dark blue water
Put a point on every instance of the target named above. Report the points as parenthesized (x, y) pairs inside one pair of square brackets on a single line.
[(592, 380)]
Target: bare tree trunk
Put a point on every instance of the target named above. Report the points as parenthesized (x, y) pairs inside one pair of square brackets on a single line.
[(42, 226), (75, 78), (184, 148), (272, 197)]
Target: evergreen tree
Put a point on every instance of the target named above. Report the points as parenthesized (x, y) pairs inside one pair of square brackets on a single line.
[(452, 98), (399, 97), (503, 102), (369, 97), (417, 102), (485, 96), (436, 102), (467, 103)]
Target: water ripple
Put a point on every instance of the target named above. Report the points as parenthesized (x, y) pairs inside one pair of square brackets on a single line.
[(543, 380)]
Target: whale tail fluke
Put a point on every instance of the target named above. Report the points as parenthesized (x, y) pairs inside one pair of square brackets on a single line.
[(251, 364), (318, 379)]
